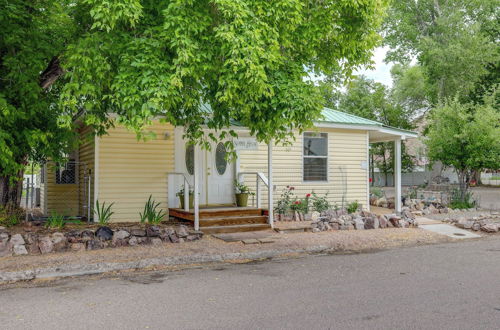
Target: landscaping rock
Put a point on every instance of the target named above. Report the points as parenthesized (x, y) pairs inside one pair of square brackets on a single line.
[(315, 215), (104, 233), (490, 228), (4, 237), (182, 231), (372, 223), (133, 241), (59, 242), (77, 247), (156, 241), (138, 232), (19, 249), (5, 249), (87, 235), (335, 226), (17, 239), (476, 226), (45, 245), (359, 224), (382, 222), (121, 234), (95, 244), (153, 231)]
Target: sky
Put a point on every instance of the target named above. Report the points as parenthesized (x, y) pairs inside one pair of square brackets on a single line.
[(381, 71)]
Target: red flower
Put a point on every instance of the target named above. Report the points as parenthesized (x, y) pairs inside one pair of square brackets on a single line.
[(292, 188), (308, 195), (370, 180), (297, 202)]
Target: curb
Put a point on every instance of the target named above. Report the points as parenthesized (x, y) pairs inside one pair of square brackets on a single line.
[(106, 267)]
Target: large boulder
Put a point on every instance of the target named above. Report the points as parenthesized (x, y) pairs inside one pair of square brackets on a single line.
[(382, 221), (121, 234), (372, 222), (17, 239), (153, 231), (358, 223), (182, 231), (138, 232), (59, 241), (19, 249)]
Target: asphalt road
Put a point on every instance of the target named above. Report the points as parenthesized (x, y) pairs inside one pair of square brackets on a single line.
[(450, 286)]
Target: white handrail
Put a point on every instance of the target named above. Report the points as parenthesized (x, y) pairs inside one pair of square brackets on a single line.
[(186, 188), (259, 176)]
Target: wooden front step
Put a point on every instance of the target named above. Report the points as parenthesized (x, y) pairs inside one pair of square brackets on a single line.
[(215, 212), (234, 228), (233, 220)]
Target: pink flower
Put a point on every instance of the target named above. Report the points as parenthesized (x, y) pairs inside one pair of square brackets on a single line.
[(297, 202), (308, 195)]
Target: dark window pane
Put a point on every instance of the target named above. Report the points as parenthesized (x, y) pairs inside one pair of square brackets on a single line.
[(315, 144), (315, 169), (220, 158), (190, 159)]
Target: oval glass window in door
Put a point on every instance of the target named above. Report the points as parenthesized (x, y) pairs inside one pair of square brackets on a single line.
[(220, 158), (190, 158)]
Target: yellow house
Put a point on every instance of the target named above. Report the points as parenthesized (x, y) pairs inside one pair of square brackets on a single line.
[(331, 157)]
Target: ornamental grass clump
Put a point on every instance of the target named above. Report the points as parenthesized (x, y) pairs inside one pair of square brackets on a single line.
[(151, 213), (103, 212)]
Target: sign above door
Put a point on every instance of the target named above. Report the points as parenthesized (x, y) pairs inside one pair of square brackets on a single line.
[(249, 143)]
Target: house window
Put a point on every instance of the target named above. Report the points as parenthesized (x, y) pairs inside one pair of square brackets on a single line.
[(315, 157), (189, 158), (42, 173)]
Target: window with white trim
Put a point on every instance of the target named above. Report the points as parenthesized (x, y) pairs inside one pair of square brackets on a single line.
[(315, 157)]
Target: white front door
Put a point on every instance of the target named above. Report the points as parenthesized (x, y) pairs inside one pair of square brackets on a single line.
[(219, 186)]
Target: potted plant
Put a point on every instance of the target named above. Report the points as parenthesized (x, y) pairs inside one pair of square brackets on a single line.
[(241, 192), (180, 194)]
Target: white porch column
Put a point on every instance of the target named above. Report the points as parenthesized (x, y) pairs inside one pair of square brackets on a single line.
[(196, 190), (397, 175), (270, 182)]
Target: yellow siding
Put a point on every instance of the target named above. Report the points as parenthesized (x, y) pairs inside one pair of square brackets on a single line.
[(347, 180), (131, 170), (61, 198), (86, 157)]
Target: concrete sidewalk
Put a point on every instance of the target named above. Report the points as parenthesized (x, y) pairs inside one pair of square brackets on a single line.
[(208, 250)]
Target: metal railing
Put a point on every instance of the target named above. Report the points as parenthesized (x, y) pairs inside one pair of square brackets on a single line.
[(186, 188), (259, 177)]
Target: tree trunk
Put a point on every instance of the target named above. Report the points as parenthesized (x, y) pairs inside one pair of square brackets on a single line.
[(11, 191)]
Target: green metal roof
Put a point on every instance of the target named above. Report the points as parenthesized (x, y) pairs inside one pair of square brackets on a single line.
[(343, 118), (334, 116)]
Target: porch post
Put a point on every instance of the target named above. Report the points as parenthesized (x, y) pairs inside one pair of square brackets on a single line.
[(196, 190), (270, 182), (186, 194), (397, 175)]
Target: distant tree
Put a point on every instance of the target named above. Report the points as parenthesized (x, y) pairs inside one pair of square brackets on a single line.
[(454, 42), (465, 136)]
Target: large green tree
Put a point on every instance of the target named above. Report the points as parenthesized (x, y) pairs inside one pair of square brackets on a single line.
[(466, 137), (193, 63), (455, 43), (32, 34)]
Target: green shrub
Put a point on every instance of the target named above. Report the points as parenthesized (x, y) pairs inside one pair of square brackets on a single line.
[(456, 202), (151, 213), (377, 192), (10, 216), (352, 207), (103, 212), (283, 204), (55, 221), (320, 203)]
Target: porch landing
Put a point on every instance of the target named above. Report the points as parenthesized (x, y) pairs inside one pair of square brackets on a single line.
[(226, 219)]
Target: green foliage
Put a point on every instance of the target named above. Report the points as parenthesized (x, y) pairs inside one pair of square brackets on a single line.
[(454, 42), (466, 137), (10, 216), (283, 204), (55, 220), (209, 62), (458, 201), (376, 191), (151, 213), (299, 205), (320, 203), (352, 207), (103, 212), (241, 188), (181, 192)]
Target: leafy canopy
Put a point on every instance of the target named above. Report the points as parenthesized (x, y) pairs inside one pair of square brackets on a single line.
[(195, 63)]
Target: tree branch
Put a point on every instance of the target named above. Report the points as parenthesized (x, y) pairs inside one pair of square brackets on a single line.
[(51, 73)]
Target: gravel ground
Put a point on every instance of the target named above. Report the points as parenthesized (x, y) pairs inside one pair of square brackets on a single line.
[(336, 240)]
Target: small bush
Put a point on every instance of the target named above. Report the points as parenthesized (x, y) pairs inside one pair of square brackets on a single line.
[(103, 212), (151, 213), (457, 203), (55, 221), (320, 203), (11, 216), (283, 204), (377, 192), (352, 207)]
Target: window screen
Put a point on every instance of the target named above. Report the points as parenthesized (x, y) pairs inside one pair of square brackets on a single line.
[(315, 156)]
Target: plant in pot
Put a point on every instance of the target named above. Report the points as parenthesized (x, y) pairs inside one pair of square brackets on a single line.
[(180, 194), (241, 192)]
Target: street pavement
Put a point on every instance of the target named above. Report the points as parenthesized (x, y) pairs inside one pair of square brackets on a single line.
[(448, 286)]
